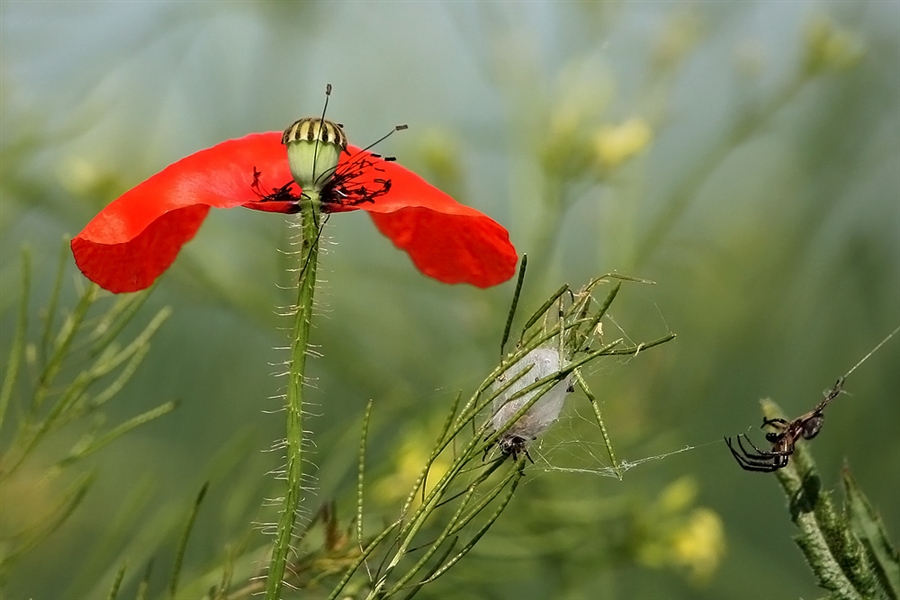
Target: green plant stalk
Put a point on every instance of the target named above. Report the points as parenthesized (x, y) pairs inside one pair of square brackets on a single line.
[(348, 573), (433, 548), (310, 217), (429, 504), (434, 498), (515, 476), (360, 476), (834, 553), (453, 526), (102, 366)]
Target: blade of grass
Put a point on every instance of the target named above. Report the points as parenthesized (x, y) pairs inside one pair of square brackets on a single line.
[(543, 308), (144, 585), (185, 536), (117, 582), (515, 302)]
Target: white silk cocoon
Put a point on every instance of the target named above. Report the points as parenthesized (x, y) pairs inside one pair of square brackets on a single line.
[(543, 413)]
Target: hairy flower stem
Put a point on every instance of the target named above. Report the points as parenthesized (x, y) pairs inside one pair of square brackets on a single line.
[(310, 219)]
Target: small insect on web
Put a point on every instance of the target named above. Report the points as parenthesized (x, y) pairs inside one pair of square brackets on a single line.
[(784, 434)]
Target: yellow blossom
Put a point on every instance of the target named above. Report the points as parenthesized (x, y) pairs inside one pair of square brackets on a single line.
[(678, 535), (699, 545), (615, 144), (411, 458), (78, 175), (829, 47), (678, 495)]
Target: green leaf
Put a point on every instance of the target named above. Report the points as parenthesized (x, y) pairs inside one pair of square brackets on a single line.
[(867, 525)]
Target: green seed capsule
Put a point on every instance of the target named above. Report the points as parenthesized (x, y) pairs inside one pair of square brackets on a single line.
[(314, 147)]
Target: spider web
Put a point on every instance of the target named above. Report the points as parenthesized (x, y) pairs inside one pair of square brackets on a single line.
[(574, 444)]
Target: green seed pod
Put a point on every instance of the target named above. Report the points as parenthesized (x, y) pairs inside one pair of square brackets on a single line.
[(314, 146)]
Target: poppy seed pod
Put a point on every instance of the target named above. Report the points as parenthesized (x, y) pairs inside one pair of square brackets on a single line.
[(313, 148)]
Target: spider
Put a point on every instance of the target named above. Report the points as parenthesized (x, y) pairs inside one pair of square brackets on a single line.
[(514, 445), (510, 445), (783, 437)]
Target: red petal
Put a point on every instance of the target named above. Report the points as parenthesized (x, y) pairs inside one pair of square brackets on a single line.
[(137, 236), (446, 240)]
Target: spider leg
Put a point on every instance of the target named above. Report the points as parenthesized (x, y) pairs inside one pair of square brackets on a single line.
[(758, 465), (758, 455), (761, 467), (734, 452), (835, 391), (487, 449), (829, 396), (528, 456), (776, 422)]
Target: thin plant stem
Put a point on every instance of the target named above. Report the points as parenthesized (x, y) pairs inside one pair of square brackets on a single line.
[(363, 439), (18, 346), (54, 298), (310, 218), (61, 346), (375, 543), (514, 476), (595, 405)]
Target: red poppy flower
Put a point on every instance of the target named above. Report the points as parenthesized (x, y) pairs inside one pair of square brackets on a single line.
[(137, 236)]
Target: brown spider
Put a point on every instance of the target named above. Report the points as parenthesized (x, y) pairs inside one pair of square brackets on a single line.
[(510, 445), (514, 445), (784, 437)]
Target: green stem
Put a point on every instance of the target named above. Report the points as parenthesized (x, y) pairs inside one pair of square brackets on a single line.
[(310, 218)]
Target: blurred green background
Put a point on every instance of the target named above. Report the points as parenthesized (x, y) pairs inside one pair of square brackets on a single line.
[(745, 156)]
